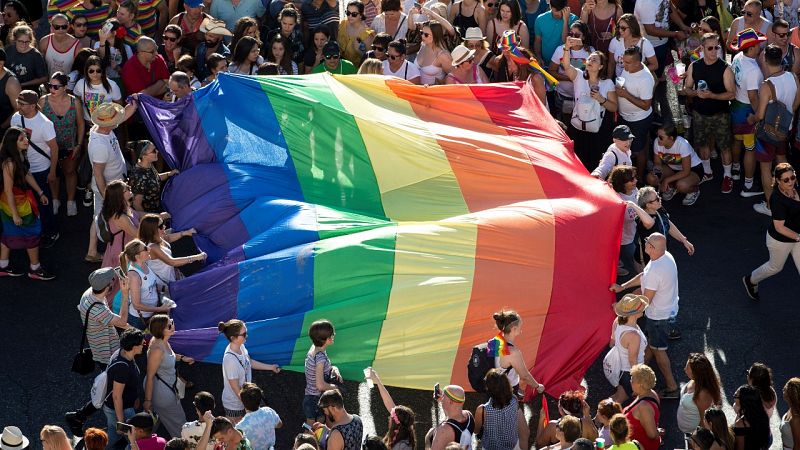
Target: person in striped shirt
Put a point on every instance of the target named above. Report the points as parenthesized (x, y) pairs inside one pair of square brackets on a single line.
[(127, 15), (95, 12), (60, 7), (153, 16)]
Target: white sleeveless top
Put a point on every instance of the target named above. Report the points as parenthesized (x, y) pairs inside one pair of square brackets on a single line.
[(785, 88), (57, 61), (165, 273), (148, 293), (625, 364)]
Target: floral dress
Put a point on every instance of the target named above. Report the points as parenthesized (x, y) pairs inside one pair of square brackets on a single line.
[(145, 182), (66, 126)]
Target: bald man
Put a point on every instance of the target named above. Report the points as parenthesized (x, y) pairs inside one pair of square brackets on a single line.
[(659, 283), (459, 425)]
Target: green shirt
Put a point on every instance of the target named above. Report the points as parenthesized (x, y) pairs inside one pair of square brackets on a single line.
[(345, 67)]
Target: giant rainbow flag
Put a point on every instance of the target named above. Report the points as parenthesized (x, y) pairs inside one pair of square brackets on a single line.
[(404, 214)]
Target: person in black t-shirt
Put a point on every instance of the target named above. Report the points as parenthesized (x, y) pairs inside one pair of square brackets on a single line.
[(649, 200), (122, 383), (783, 236)]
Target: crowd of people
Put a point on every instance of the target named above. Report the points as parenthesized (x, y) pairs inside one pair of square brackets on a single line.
[(68, 102)]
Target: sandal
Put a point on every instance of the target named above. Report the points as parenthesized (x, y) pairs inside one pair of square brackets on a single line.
[(93, 259)]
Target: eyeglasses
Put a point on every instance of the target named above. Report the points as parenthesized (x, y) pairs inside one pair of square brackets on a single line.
[(353, 13), (623, 28), (90, 71), (713, 48), (331, 56), (426, 34), (147, 51), (656, 199), (395, 57), (469, 61), (789, 179), (60, 27), (748, 14), (169, 38), (23, 42), (782, 35), (378, 49), (54, 86)]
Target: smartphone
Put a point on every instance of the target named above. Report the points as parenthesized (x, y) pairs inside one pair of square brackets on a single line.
[(107, 27), (119, 272), (437, 392), (308, 427), (124, 428), (418, 5)]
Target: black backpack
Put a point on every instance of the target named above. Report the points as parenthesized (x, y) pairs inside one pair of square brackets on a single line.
[(480, 362)]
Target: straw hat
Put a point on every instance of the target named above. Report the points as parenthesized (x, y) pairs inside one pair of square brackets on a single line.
[(108, 115), (214, 26), (630, 305), (461, 54)]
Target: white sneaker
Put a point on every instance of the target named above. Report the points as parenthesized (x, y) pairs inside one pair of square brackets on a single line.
[(762, 208), (56, 206), (72, 209), (691, 198)]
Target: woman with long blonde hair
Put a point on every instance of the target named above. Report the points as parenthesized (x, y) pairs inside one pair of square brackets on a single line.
[(54, 438)]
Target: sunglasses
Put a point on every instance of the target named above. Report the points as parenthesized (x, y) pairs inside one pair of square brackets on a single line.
[(713, 48), (169, 38), (490, 5), (623, 28), (378, 49), (60, 27), (576, 35), (94, 71), (171, 324), (55, 87), (395, 57), (242, 335), (353, 13), (782, 35), (79, 25), (331, 56), (162, 226), (426, 34), (748, 14), (789, 179)]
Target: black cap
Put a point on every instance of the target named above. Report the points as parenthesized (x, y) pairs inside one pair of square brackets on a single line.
[(331, 49), (622, 133), (141, 420), (583, 444)]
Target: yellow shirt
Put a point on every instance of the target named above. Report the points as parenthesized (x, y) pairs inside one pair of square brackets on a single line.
[(349, 44)]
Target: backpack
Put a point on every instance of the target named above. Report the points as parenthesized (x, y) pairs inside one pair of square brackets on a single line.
[(588, 114), (480, 362), (100, 391), (103, 230), (774, 129), (612, 366)]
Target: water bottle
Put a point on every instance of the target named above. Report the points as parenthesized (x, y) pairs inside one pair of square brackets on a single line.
[(702, 85), (600, 443)]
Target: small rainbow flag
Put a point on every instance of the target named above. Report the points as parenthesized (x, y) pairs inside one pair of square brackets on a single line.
[(694, 55), (499, 346), (510, 42)]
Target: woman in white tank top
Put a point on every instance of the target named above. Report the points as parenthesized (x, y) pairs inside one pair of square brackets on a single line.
[(152, 232), (629, 340), (60, 47), (508, 357), (142, 289)]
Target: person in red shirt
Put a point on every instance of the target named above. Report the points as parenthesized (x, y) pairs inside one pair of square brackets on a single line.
[(146, 73)]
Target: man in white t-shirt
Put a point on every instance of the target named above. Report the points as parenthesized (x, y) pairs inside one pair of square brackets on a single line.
[(635, 100), (42, 156), (659, 283), (108, 164)]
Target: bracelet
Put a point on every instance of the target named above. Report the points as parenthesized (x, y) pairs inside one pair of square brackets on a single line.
[(604, 101), (41, 193)]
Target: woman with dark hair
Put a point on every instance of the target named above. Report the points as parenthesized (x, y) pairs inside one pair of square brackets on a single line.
[(161, 381), (215, 63), (433, 59), (25, 60), (570, 403), (145, 181), (629, 340), (79, 67), (783, 235), (751, 427), (79, 27), (606, 409), (122, 220), (623, 181), (485, 59), (572, 55), (629, 34), (13, 13), (65, 112), (620, 433), (396, 64), (170, 48), (354, 36), (760, 377), (392, 20), (400, 434), (246, 56), (592, 92), (496, 419), (379, 45), (113, 50), (19, 208), (466, 14), (507, 356), (237, 368), (601, 17), (152, 231), (676, 166), (790, 422), (142, 289), (715, 420), (508, 17), (245, 26), (94, 88), (280, 53), (313, 54), (700, 393), (710, 24)]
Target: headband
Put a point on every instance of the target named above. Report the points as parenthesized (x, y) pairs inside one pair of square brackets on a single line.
[(453, 397)]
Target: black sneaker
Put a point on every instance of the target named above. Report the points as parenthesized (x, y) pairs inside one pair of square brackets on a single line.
[(9, 271), (752, 289), (40, 274), (87, 198), (75, 423), (49, 241)]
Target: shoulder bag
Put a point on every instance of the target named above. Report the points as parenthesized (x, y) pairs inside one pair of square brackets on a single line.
[(35, 147), (774, 128), (83, 361)]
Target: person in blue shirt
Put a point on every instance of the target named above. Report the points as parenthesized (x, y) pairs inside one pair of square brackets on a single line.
[(551, 30)]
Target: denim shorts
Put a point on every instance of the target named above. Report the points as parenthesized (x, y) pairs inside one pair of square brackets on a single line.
[(310, 408), (657, 333)]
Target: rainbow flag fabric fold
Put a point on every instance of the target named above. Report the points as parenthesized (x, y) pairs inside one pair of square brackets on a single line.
[(404, 214)]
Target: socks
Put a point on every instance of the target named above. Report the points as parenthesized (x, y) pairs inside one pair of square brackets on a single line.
[(736, 166), (707, 166), (748, 182), (727, 170), (3, 263), (35, 266)]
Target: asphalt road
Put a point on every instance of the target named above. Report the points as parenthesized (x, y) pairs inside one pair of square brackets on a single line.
[(41, 328)]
